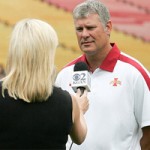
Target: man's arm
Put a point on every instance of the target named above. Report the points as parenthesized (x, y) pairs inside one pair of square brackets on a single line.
[(145, 140)]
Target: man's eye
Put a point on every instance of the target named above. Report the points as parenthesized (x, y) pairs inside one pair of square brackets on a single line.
[(79, 29), (90, 28)]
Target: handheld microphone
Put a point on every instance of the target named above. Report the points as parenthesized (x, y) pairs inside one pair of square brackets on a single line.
[(81, 77)]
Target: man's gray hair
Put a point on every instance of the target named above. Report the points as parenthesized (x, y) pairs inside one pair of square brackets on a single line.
[(92, 7)]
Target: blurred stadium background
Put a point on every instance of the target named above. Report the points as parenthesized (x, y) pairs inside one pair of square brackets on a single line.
[(131, 25)]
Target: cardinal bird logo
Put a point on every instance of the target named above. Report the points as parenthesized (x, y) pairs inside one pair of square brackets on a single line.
[(115, 82)]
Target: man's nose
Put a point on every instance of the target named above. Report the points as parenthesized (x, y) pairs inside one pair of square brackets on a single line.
[(85, 33)]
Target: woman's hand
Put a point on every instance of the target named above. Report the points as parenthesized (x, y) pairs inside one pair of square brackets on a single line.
[(82, 100)]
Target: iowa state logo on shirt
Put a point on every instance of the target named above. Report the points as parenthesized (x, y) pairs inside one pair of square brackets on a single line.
[(115, 82)]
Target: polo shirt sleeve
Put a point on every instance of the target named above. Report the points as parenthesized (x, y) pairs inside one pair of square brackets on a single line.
[(142, 101), (58, 80)]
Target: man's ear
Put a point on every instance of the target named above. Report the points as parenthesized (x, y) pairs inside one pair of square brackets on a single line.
[(108, 27)]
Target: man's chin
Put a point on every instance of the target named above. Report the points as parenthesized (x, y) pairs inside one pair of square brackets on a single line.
[(88, 51)]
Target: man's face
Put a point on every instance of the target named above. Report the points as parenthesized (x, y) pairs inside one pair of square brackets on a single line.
[(92, 36)]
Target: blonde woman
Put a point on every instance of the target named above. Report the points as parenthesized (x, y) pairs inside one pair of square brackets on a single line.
[(34, 114)]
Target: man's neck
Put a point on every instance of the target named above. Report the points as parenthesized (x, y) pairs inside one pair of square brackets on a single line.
[(95, 60)]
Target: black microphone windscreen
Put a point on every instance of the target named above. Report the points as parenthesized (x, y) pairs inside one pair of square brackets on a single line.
[(81, 66)]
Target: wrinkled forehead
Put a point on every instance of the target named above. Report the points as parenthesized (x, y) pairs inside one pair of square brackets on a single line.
[(88, 19)]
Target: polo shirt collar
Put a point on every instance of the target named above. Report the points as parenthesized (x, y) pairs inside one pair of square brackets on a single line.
[(110, 61)]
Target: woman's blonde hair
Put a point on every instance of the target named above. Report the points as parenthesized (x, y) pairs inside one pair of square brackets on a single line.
[(30, 70)]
